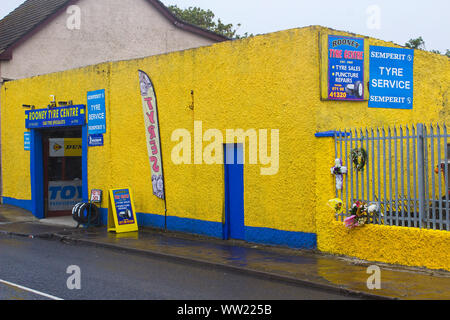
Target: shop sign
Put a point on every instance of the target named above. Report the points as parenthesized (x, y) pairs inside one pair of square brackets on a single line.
[(345, 68), (27, 141), (96, 196), (64, 195), (150, 108), (391, 78), (96, 109), (121, 212), (55, 117), (65, 147), (95, 140)]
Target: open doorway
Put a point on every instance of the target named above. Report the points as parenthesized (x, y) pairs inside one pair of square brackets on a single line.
[(62, 170)]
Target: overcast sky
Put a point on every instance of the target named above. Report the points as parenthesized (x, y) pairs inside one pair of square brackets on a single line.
[(390, 20)]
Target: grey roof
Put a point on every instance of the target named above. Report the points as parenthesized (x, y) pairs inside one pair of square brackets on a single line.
[(29, 15), (25, 18)]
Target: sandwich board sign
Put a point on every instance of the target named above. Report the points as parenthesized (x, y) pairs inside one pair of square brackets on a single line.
[(121, 212)]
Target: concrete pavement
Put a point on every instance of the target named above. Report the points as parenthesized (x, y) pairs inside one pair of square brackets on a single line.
[(306, 268)]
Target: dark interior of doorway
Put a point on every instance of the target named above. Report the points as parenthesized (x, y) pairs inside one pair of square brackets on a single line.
[(59, 168)]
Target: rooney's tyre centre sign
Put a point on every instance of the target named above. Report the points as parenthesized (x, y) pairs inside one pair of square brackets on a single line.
[(345, 68)]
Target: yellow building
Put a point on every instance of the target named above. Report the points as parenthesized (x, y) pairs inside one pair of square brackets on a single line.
[(275, 88)]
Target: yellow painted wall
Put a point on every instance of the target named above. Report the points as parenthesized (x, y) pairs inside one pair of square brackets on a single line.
[(265, 82), (388, 244), (240, 84), (70, 85), (237, 85), (397, 245)]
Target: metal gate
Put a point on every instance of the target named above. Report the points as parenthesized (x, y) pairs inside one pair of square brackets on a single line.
[(406, 174)]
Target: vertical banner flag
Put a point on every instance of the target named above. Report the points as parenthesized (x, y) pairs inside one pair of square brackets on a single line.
[(150, 107), (391, 78), (345, 68)]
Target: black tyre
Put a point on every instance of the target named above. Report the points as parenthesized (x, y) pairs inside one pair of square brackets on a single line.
[(75, 209)]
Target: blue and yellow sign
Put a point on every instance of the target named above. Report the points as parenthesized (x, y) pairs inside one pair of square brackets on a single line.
[(121, 212), (27, 141), (391, 78), (96, 109), (65, 147), (55, 117), (345, 68)]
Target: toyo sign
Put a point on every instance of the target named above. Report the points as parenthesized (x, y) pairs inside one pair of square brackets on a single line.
[(64, 195)]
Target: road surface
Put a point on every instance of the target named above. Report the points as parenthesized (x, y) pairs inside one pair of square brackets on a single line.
[(37, 269)]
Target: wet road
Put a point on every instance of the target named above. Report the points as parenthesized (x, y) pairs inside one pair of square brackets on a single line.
[(35, 269)]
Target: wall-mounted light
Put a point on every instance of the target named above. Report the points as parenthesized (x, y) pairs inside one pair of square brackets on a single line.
[(27, 106), (52, 102)]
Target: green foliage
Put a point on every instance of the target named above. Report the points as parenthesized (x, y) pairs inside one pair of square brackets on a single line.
[(417, 43), (205, 20)]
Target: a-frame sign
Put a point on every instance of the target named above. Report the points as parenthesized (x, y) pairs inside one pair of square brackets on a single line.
[(121, 212)]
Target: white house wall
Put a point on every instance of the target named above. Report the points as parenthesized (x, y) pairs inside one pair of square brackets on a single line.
[(110, 30)]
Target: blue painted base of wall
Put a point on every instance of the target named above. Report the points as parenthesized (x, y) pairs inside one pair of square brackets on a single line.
[(206, 228), (24, 204), (298, 240)]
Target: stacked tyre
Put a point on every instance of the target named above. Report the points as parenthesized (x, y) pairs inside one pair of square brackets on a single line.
[(85, 213)]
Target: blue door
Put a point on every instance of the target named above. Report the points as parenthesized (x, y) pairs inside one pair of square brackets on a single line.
[(234, 192)]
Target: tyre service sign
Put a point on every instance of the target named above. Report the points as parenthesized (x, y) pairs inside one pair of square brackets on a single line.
[(121, 212), (27, 141), (391, 78), (345, 68), (96, 112)]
